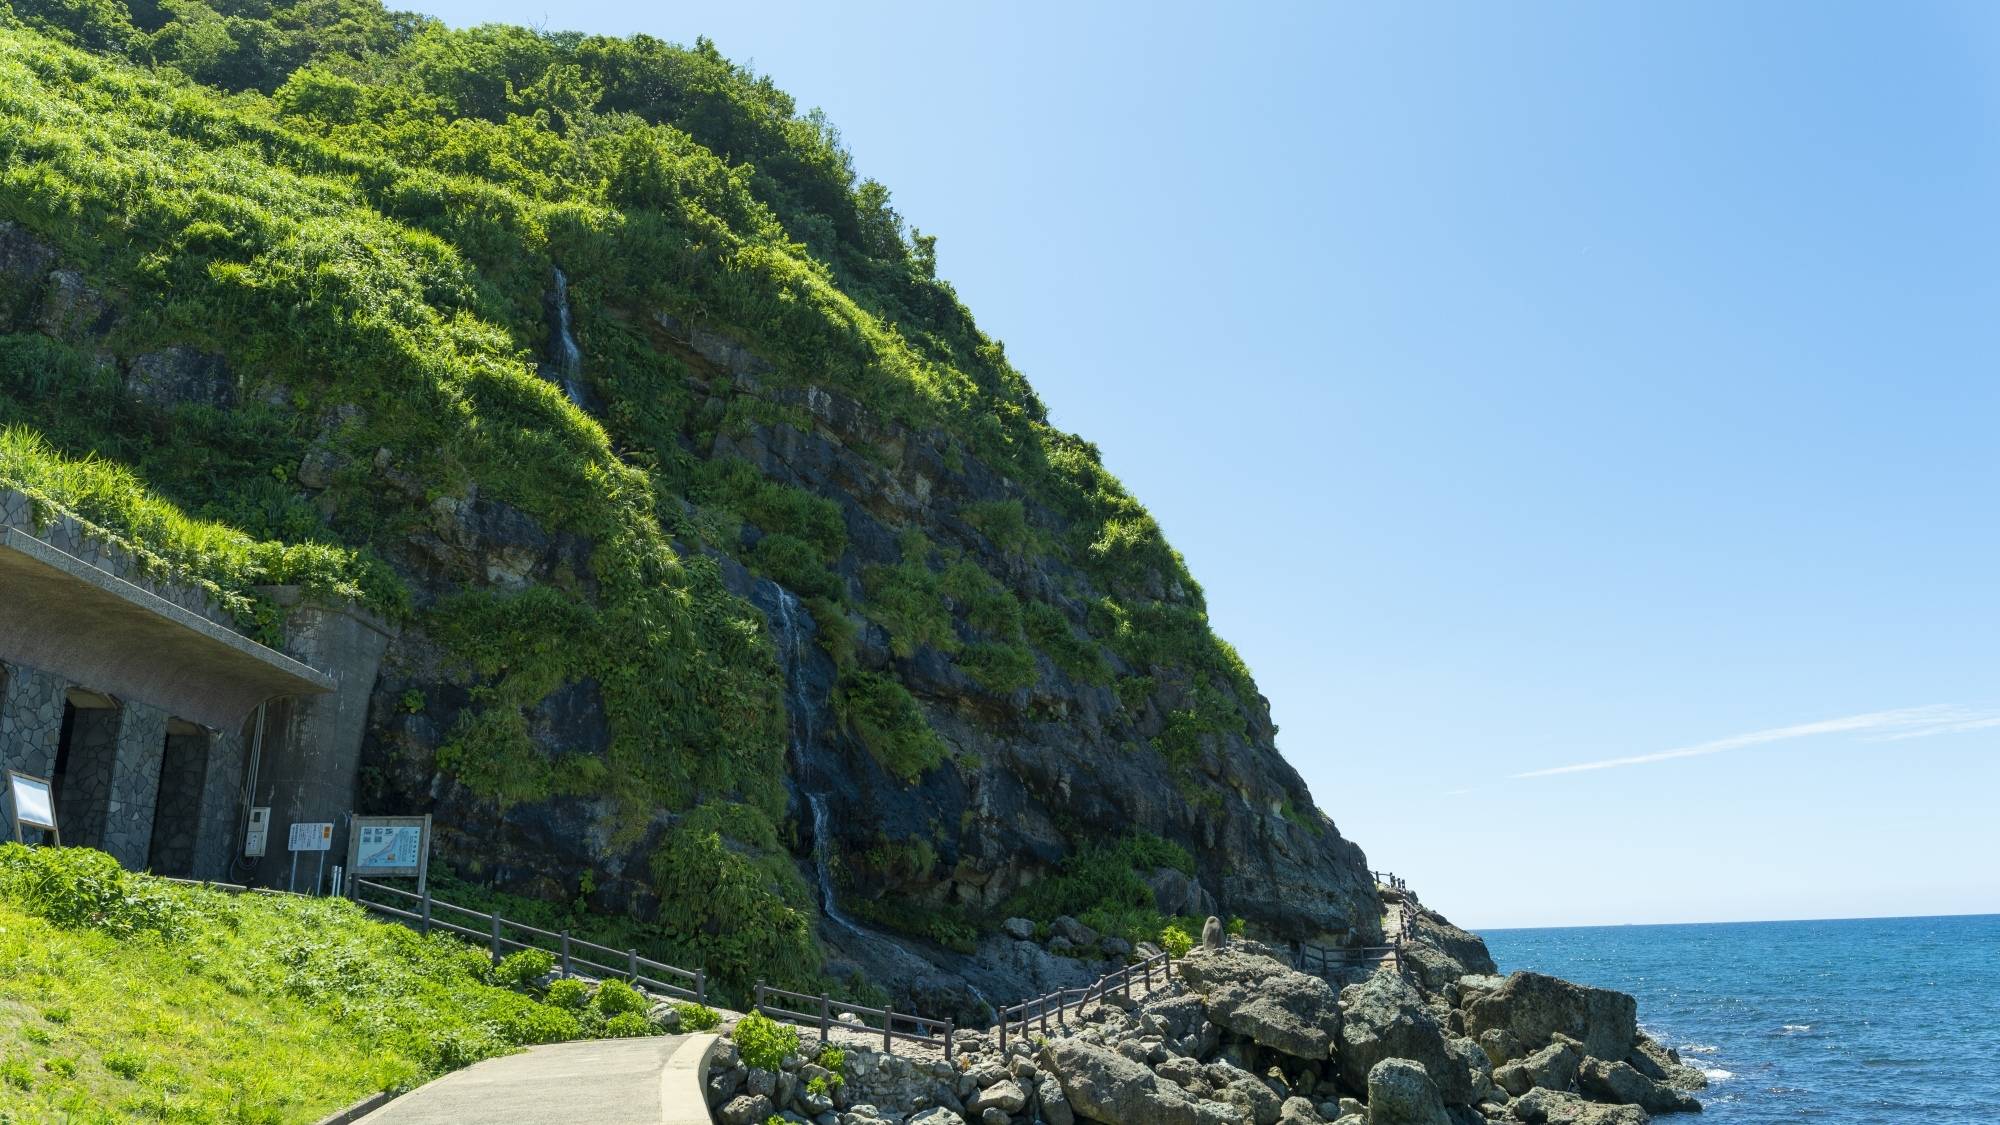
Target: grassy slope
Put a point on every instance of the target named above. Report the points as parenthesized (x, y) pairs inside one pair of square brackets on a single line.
[(363, 210), (123, 998)]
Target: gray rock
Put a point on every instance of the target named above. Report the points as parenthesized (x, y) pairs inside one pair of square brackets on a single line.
[(1078, 933), (1618, 1082), (1299, 1111), (1104, 1086), (71, 310), (1553, 1067), (1005, 1095), (1400, 1092), (177, 375), (994, 1116), (1535, 1007), (1114, 947), (936, 1115), (1385, 1018), (1291, 1012), (1257, 1100), (24, 261), (1176, 893), (1020, 929), (1662, 1064), (1553, 1107), (1501, 1046), (747, 1110), (761, 1082)]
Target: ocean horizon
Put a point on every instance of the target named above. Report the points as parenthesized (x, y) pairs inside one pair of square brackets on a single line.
[(1848, 1020)]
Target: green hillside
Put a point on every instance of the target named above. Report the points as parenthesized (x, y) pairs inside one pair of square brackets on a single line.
[(357, 217)]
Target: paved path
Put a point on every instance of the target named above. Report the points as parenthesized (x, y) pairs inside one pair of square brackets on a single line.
[(652, 1081)]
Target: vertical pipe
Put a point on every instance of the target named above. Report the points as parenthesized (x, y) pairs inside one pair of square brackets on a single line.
[(632, 965), (566, 968)]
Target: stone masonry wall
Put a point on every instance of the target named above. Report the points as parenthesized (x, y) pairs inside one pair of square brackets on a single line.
[(31, 710)]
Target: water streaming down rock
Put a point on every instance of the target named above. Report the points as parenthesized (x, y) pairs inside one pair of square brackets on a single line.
[(789, 622), (565, 358)]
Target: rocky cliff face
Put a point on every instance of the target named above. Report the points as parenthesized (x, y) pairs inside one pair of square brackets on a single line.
[(743, 588)]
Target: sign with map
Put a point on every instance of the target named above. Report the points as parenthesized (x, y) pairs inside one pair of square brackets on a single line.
[(387, 846)]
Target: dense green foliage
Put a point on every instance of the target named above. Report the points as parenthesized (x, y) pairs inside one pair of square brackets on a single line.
[(123, 998), (1104, 887), (363, 210)]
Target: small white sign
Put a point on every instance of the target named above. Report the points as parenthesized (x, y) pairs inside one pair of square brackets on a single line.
[(311, 838), (34, 802), (260, 831)]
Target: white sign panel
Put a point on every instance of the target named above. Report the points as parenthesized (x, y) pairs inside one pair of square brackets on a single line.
[(311, 838), (34, 802)]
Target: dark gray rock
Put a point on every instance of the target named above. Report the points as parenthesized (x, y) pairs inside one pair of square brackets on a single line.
[(1104, 1086), (181, 375), (1553, 1067), (1020, 929), (1618, 1082), (1663, 1064), (1385, 1018), (1552, 1107), (1536, 1007), (747, 1109), (24, 262), (1400, 1092), (1291, 1013)]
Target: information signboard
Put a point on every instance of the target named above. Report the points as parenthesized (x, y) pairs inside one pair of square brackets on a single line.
[(34, 803), (311, 837), (389, 847)]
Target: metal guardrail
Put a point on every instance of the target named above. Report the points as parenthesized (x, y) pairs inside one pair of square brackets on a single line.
[(492, 929), (1058, 1003), (927, 1031)]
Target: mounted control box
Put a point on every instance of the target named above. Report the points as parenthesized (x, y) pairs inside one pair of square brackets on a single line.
[(260, 831)]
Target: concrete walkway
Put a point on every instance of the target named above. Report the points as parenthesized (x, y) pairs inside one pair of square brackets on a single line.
[(653, 1081)]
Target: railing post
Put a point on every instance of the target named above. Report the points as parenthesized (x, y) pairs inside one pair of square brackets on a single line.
[(759, 1006), (1003, 1032), (493, 940), (632, 966), (567, 969), (427, 910), (947, 1040), (888, 1031), (701, 987), (825, 1017)]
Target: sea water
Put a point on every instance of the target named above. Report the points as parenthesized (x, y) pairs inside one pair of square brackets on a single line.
[(1868, 1020)]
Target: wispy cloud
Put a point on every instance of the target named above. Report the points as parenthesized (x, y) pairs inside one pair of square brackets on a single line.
[(1907, 722)]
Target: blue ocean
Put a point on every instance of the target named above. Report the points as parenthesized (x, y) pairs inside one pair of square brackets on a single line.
[(1866, 1021)]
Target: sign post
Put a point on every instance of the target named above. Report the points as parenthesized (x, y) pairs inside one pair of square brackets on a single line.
[(316, 837), (34, 805), (382, 846)]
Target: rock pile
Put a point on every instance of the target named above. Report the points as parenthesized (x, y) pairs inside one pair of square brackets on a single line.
[(1241, 1038)]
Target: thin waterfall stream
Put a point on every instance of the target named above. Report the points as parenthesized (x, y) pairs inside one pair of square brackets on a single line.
[(566, 358), (799, 732)]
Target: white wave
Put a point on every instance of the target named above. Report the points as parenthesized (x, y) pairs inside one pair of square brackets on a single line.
[(1698, 1049), (1717, 1074), (1796, 1027)]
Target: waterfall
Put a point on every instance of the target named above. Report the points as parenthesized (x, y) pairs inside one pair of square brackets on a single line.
[(799, 712), (565, 357)]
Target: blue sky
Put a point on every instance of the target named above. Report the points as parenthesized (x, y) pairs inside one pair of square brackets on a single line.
[(1529, 386)]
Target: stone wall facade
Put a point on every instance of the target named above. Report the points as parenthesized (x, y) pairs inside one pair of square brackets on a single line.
[(31, 712)]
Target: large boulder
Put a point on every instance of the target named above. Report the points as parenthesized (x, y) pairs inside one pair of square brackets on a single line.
[(1618, 1082), (1237, 962), (1400, 1092), (1536, 1007), (1102, 1085), (1553, 1067), (1291, 1013), (1386, 1019), (1553, 1107), (1663, 1064)]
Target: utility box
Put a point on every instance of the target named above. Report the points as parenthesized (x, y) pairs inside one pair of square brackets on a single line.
[(260, 831)]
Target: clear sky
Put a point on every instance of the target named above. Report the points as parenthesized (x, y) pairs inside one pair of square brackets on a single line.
[(1530, 386)]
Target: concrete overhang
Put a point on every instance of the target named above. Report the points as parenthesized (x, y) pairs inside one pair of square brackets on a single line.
[(62, 615)]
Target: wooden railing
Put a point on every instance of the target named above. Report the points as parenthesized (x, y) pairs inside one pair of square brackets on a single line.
[(1323, 959), (826, 1010), (1039, 1009), (497, 933)]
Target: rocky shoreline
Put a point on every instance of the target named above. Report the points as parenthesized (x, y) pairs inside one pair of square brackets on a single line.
[(1241, 1037)]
